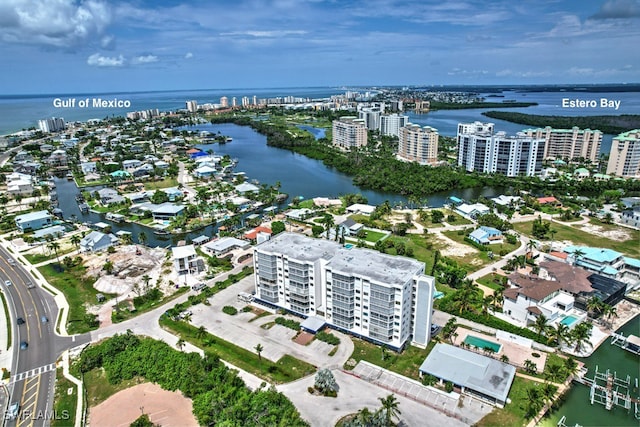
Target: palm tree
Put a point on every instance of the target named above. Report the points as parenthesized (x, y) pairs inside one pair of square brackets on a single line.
[(467, 296), (609, 312), (180, 344), (548, 391), (531, 245), (595, 305), (75, 240), (449, 329), (108, 267), (258, 348), (328, 222), (559, 334), (126, 239), (390, 407), (202, 332), (54, 246), (553, 232), (142, 238), (580, 336), (146, 279), (487, 303), (534, 401), (578, 254), (530, 367), (540, 325), (553, 372), (364, 416)]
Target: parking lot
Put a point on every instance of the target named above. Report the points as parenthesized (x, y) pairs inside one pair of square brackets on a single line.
[(448, 403), (276, 341)]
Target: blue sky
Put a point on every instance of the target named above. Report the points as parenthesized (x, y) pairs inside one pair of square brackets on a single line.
[(58, 46)]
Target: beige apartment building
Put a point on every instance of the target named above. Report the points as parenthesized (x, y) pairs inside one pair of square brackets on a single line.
[(349, 132), (569, 143), (418, 144), (624, 159)]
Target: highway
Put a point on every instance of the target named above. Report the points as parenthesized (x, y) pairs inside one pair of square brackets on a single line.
[(33, 373)]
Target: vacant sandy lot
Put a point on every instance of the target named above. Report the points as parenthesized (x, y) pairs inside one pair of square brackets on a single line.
[(165, 408), (619, 234)]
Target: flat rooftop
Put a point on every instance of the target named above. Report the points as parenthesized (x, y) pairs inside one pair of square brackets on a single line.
[(300, 247)]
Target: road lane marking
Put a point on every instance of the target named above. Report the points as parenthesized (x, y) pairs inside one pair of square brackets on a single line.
[(32, 373)]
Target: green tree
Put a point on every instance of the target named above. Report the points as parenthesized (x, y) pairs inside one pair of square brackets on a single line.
[(142, 238), (316, 230), (108, 267), (580, 336), (390, 408), (54, 246), (540, 325), (180, 344), (75, 240), (437, 216), (328, 222), (277, 227), (325, 381), (559, 335), (258, 348)]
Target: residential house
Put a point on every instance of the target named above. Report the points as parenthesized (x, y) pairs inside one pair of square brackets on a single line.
[(109, 196), (360, 208), (326, 202), (204, 171), (57, 158), (161, 164), (33, 221), (120, 175), (486, 235), (606, 262), (185, 260), (131, 165), (472, 211), (166, 211), (223, 245), (174, 193), (143, 170), (253, 234), (349, 227), (503, 200), (20, 187), (88, 167), (549, 201), (97, 241), (299, 214), (631, 217), (530, 297), (581, 173), (246, 187)]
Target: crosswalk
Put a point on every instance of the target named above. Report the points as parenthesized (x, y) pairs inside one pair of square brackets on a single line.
[(32, 373)]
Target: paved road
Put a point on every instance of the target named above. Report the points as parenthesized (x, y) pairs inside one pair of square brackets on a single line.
[(33, 369)]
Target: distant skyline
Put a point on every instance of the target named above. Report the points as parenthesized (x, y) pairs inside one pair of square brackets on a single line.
[(65, 46)]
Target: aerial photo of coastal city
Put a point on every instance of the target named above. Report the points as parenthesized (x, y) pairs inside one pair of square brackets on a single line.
[(319, 213)]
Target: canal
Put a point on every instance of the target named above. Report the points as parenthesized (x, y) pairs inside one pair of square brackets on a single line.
[(577, 407)]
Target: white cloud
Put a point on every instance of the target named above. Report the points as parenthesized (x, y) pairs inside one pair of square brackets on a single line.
[(145, 59), (270, 34), (618, 9), (58, 23), (98, 60), (188, 55)]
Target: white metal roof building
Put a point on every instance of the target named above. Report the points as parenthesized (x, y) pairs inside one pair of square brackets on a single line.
[(475, 374)]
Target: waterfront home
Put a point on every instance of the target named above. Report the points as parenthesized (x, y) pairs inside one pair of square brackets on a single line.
[(55, 230), (29, 168), (131, 165), (57, 158), (253, 234), (204, 171), (349, 227), (33, 221), (325, 202), (583, 284), (475, 374), (530, 297), (88, 167), (360, 208), (200, 240), (224, 245), (246, 187), (120, 175), (17, 176), (143, 170), (97, 241), (185, 260), (166, 211), (486, 235), (549, 201), (109, 196), (606, 262), (472, 211), (503, 200)]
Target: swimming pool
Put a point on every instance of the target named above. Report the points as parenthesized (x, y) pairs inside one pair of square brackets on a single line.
[(568, 320), (481, 343), (348, 245)]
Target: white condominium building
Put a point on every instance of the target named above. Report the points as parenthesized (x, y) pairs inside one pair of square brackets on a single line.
[(380, 297), (418, 144), (224, 102), (192, 106), (624, 159), (569, 144), (371, 117), (349, 132), (53, 124), (482, 150), (390, 124)]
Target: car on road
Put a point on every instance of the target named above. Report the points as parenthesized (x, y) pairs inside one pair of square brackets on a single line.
[(8, 283), (24, 345), (11, 261), (30, 285), (199, 287), (20, 321), (434, 329), (44, 319), (12, 412)]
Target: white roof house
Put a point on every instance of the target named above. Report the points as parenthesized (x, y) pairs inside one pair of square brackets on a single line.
[(503, 200), (224, 245), (185, 259), (247, 187), (472, 211), (361, 208)]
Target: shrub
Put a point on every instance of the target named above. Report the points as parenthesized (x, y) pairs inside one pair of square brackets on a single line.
[(476, 245), (246, 309), (448, 386), (289, 323), (227, 309), (328, 338), (311, 390), (535, 354)]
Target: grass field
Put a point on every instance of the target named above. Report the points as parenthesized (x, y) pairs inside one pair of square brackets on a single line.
[(373, 236), (478, 259), (78, 290), (405, 363), (513, 413), (287, 369), (38, 258), (64, 404), (165, 183), (492, 281), (578, 237)]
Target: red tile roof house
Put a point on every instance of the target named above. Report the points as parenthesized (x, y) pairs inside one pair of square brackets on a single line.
[(253, 234), (549, 201)]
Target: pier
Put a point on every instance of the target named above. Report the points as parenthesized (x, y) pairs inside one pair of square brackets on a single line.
[(562, 423), (609, 390), (630, 343)]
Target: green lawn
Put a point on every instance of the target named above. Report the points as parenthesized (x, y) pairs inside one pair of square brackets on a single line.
[(7, 318), (124, 314), (460, 220), (373, 236), (478, 259), (165, 183), (380, 224), (405, 363), (287, 369), (308, 204), (513, 413), (99, 389), (78, 290), (64, 404), (628, 247), (492, 281), (422, 245), (38, 258)]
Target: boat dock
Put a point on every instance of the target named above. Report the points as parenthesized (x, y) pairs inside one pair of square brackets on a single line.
[(630, 343), (609, 390), (562, 423)]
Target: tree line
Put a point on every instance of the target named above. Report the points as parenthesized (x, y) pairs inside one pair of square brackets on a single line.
[(219, 396)]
